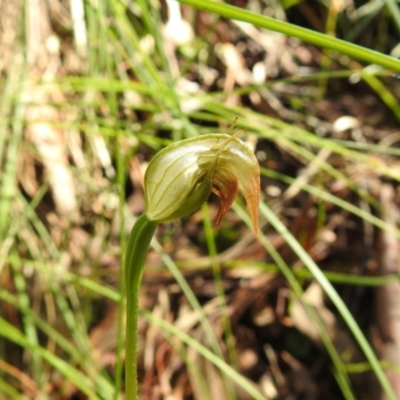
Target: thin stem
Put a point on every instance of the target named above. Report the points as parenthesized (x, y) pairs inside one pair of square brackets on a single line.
[(136, 253)]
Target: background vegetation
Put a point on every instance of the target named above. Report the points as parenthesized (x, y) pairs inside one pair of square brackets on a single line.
[(91, 90)]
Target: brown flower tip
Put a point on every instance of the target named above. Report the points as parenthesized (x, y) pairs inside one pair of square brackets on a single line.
[(237, 167), (226, 189)]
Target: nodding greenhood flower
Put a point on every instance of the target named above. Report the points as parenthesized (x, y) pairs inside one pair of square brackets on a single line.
[(180, 177)]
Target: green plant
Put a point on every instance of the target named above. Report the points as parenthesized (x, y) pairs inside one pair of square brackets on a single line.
[(178, 181)]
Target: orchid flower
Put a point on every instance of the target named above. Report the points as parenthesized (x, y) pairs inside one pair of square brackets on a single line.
[(178, 181), (180, 177)]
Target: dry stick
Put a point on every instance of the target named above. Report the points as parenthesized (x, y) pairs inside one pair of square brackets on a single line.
[(387, 297)]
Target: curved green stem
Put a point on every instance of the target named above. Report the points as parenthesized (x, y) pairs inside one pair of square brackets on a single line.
[(136, 253)]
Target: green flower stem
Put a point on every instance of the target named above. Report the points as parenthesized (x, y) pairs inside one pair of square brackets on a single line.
[(307, 35), (136, 253)]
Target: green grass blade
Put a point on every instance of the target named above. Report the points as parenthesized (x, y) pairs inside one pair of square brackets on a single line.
[(171, 330), (309, 36), (315, 38), (339, 367), (82, 382), (335, 298)]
